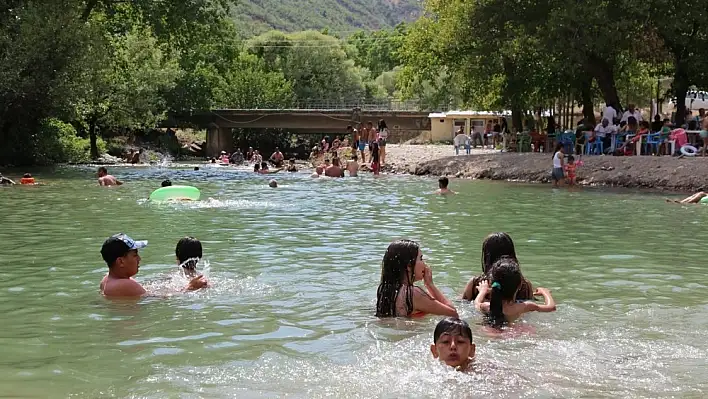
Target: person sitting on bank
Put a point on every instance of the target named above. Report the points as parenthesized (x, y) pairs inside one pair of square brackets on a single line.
[(120, 253), (104, 179), (443, 183)]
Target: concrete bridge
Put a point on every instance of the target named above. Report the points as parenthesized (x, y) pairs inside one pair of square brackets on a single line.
[(220, 122)]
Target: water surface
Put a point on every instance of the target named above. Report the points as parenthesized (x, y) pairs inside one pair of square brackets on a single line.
[(295, 271)]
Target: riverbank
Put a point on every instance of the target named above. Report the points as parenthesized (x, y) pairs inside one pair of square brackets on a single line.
[(661, 173)]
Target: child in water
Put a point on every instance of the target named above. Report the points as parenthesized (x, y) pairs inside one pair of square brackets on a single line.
[(570, 170), (397, 296), (452, 343), (27, 179), (503, 308), (494, 247), (189, 253)]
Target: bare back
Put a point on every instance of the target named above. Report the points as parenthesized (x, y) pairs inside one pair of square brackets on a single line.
[(121, 287)]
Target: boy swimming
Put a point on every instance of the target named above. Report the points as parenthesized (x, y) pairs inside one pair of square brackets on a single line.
[(452, 343), (120, 253), (502, 308), (442, 184), (189, 252)]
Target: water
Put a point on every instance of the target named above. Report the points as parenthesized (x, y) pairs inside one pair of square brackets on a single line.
[(294, 273)]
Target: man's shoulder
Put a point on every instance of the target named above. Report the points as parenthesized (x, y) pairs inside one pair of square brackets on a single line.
[(121, 287)]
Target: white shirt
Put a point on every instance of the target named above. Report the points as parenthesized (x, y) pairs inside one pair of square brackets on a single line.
[(556, 160), (601, 131), (460, 139), (637, 115), (610, 113)]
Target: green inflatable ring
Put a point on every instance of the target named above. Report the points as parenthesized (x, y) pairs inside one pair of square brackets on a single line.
[(175, 193), (704, 200)]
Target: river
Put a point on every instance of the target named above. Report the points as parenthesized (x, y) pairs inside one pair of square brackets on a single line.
[(294, 273)]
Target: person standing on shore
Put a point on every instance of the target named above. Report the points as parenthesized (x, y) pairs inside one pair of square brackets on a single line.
[(383, 137), (364, 139), (558, 174)]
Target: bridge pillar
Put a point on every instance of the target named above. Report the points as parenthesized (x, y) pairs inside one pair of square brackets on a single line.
[(218, 139)]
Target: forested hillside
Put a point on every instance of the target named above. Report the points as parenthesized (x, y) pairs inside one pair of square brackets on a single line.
[(339, 16)]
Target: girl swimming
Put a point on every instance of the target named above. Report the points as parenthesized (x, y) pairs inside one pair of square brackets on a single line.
[(503, 308), (494, 247), (397, 296)]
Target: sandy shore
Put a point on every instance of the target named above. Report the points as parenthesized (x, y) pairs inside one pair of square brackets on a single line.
[(663, 173)]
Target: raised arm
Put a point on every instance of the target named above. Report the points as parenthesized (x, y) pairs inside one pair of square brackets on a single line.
[(479, 303), (424, 303), (434, 291), (548, 306)]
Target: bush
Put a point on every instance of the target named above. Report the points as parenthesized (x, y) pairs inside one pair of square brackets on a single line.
[(58, 143)]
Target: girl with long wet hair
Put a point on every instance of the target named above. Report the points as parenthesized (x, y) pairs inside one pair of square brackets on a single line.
[(504, 283), (397, 295), (494, 247)]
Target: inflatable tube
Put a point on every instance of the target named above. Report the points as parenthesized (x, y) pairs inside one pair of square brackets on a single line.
[(689, 150), (175, 193), (704, 200)]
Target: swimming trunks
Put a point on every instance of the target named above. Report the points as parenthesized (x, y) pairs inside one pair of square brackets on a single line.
[(362, 145), (557, 174), (704, 134)]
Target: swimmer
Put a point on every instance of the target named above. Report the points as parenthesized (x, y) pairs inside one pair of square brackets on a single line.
[(189, 252), (196, 168), (693, 199), (494, 247), (4, 181), (443, 190), (264, 169), (452, 343), (166, 183), (397, 295), (318, 172), (104, 179), (334, 170), (120, 253), (273, 184), (27, 179), (502, 307), (291, 166), (353, 166)]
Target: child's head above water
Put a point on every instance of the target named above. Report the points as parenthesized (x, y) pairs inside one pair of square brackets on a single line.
[(494, 247), (443, 182), (452, 342), (188, 252), (402, 265), (505, 280)]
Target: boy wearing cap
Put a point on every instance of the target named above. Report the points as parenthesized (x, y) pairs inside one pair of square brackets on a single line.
[(121, 255)]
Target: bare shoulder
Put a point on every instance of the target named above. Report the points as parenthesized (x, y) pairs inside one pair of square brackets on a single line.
[(123, 287)]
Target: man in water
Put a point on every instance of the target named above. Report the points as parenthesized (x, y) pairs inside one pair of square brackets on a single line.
[(277, 158), (353, 166), (334, 170), (166, 183), (120, 253), (104, 179), (273, 184), (4, 181), (443, 190), (291, 166)]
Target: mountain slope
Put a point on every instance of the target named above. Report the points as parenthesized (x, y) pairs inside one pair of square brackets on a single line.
[(339, 16)]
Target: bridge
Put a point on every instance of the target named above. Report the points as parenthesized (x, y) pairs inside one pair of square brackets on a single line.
[(404, 120)]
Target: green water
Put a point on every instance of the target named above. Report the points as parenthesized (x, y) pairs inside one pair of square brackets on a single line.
[(294, 273)]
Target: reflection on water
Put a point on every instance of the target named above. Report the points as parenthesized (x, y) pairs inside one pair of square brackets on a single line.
[(294, 273)]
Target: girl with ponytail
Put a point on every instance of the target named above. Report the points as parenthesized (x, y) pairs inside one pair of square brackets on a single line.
[(504, 283)]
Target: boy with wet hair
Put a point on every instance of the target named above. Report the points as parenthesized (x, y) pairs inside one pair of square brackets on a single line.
[(452, 343), (443, 183)]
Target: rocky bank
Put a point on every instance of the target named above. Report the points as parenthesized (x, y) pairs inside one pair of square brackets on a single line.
[(664, 173)]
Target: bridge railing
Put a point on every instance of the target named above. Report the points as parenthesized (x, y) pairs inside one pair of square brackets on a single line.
[(369, 105)]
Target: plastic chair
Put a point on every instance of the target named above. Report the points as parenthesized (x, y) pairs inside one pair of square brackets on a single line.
[(567, 139), (596, 147), (524, 143), (654, 140)]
